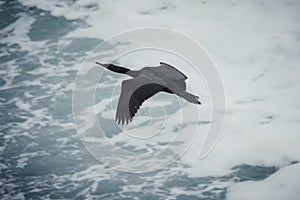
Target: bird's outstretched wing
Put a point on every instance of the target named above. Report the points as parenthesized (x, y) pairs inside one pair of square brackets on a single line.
[(133, 93), (171, 72)]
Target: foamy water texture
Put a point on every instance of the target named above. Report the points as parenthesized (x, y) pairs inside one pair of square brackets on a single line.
[(255, 46)]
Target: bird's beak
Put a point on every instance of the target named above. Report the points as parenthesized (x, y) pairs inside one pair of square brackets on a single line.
[(103, 65)]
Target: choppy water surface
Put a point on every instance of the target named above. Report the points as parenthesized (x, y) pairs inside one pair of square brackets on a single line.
[(41, 47)]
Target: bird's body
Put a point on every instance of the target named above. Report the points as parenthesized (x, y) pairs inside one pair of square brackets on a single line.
[(145, 83)]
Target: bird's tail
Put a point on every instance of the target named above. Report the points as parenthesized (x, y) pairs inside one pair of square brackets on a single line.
[(190, 98), (114, 68)]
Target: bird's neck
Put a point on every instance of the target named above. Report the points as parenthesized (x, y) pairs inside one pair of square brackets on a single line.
[(117, 69), (121, 70)]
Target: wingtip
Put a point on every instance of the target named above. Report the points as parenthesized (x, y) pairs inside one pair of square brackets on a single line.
[(163, 63), (117, 120)]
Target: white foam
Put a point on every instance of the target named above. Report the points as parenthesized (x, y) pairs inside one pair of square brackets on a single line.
[(284, 184), (254, 46), (17, 33), (70, 11)]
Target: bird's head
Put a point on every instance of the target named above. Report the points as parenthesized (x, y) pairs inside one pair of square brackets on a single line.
[(103, 65)]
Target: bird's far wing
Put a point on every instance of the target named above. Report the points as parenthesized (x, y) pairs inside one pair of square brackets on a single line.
[(171, 72), (133, 93)]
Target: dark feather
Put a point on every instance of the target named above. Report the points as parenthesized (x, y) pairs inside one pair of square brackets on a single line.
[(131, 99)]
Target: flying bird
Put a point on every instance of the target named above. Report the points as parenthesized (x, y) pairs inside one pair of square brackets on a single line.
[(145, 83)]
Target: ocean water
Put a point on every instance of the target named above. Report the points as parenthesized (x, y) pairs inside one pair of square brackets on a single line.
[(255, 45)]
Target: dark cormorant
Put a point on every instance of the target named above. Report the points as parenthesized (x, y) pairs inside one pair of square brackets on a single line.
[(145, 83)]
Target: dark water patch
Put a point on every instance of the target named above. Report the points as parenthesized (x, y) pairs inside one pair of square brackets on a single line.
[(18, 91), (215, 194), (60, 106), (252, 173), (52, 61), (187, 182), (110, 130), (28, 64), (13, 51), (12, 114), (47, 186), (24, 77), (2, 82), (72, 190), (188, 197), (56, 27), (108, 187), (144, 195), (59, 164), (150, 196), (197, 184), (9, 12), (135, 179)]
